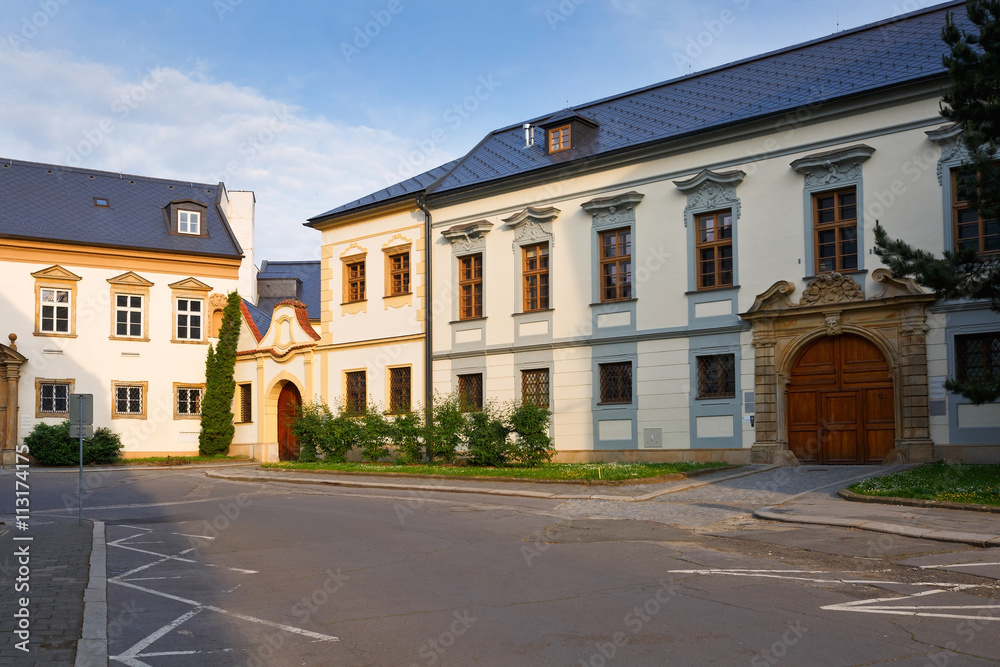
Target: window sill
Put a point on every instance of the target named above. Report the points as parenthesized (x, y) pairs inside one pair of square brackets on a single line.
[(354, 303), (52, 334), (532, 312), (51, 415), (142, 416), (614, 405), (612, 303), (188, 342), (186, 417), (129, 339), (709, 290), (242, 423), (715, 398), (471, 319), (855, 272), (388, 296)]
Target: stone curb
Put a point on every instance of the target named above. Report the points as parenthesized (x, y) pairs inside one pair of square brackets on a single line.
[(914, 502), (75, 470), (880, 526), (92, 648), (469, 489)]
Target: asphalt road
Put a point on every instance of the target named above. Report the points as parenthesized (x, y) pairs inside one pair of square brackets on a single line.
[(209, 572)]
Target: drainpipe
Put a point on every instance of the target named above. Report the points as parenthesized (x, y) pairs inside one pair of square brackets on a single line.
[(428, 312)]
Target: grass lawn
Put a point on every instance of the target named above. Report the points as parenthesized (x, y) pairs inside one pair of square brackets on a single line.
[(181, 460), (555, 471), (979, 484)]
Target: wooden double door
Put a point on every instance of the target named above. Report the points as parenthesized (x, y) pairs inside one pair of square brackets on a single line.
[(289, 401), (841, 406)]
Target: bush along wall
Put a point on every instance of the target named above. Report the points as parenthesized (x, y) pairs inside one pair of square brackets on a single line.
[(499, 434), (51, 445)]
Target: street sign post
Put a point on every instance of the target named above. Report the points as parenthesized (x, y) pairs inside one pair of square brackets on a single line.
[(81, 420)]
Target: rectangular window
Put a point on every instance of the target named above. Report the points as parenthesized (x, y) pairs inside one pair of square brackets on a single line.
[(714, 248), (129, 400), (189, 222), (536, 277), (559, 139), (470, 287), (971, 231), (54, 311), (128, 315), (354, 278), (616, 265), (977, 357), (470, 392), (616, 382), (835, 223), (399, 274), (188, 401), (717, 376), (399, 390), (356, 399), (189, 313), (245, 397), (535, 387), (53, 398)]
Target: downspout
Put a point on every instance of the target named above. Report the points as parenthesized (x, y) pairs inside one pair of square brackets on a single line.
[(428, 312)]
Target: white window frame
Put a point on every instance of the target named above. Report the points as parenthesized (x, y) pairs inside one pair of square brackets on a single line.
[(55, 305), (130, 311), (185, 312), (189, 222)]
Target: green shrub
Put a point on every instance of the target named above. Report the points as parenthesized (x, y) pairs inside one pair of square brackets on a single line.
[(52, 446), (319, 429), (486, 436), (375, 434), (447, 427), (407, 433), (532, 444)]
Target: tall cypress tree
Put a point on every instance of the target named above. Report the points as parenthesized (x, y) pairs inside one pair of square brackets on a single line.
[(217, 427), (973, 100)]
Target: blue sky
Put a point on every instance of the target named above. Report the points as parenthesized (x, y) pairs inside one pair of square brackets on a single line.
[(312, 104)]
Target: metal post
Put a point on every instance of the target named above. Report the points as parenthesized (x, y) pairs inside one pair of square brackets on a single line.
[(79, 512)]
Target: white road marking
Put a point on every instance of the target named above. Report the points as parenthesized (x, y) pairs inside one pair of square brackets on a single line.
[(203, 537), (873, 605), (129, 656), (942, 567)]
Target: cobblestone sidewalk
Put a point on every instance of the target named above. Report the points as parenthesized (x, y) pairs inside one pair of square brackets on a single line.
[(59, 570)]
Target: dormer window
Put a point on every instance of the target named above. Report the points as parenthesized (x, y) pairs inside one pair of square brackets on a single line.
[(189, 222), (102, 202), (559, 139)]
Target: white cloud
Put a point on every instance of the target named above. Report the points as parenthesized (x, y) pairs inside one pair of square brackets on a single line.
[(171, 124)]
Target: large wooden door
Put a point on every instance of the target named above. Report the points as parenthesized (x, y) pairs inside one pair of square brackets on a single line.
[(841, 407), (289, 401)]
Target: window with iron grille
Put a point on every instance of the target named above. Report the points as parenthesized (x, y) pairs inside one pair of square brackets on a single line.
[(717, 376), (246, 415), (53, 397), (536, 277), (356, 400), (130, 400), (977, 357), (535, 387), (835, 216), (616, 382), (616, 265), (399, 390), (470, 392), (470, 287), (189, 313), (971, 231), (714, 248), (354, 278), (188, 401), (399, 273), (128, 315)]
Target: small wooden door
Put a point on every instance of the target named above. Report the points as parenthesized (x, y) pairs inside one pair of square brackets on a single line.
[(841, 407), (289, 401)]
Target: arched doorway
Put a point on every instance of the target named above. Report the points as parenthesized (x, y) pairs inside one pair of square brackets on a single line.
[(841, 404), (289, 401)]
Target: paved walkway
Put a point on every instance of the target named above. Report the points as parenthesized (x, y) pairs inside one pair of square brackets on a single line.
[(59, 569)]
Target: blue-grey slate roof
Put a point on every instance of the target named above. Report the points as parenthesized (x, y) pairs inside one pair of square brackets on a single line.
[(261, 319), (400, 190), (54, 203), (309, 285), (895, 52)]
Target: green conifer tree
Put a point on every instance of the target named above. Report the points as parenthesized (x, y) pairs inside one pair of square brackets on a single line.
[(217, 427)]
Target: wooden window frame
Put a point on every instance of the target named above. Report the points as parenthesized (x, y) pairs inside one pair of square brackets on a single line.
[(961, 205), (355, 405), (398, 400), (178, 388), (838, 224), (470, 287), (401, 276), (560, 138), (720, 388), (355, 284), (617, 260), (244, 398), (621, 393), (532, 389), (961, 355), (470, 386), (716, 246), (540, 275), (70, 384), (144, 399)]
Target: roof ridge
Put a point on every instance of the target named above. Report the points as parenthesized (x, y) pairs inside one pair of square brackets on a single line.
[(101, 172)]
